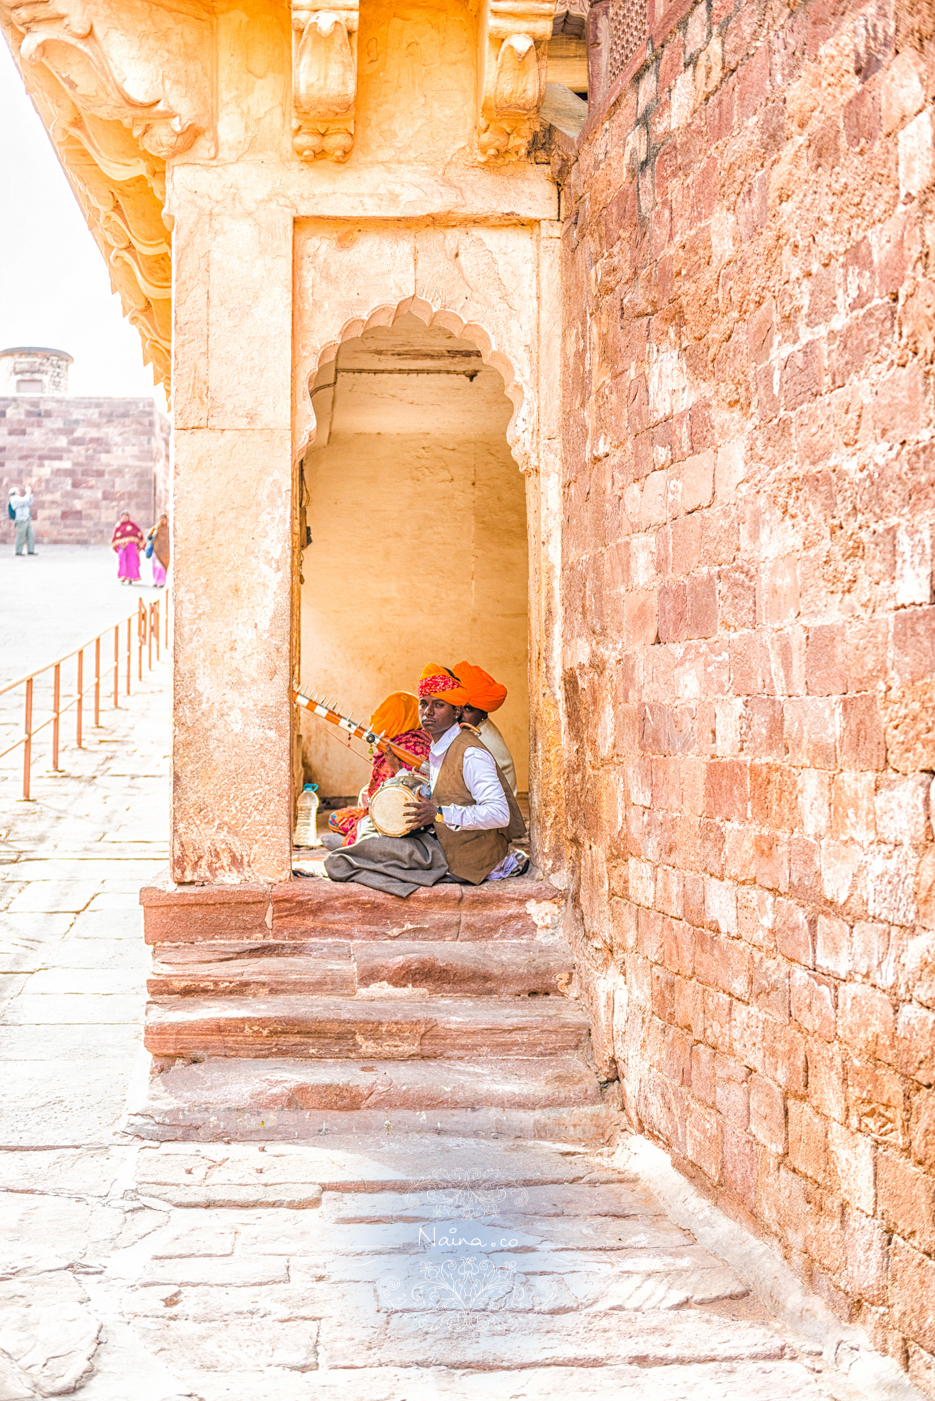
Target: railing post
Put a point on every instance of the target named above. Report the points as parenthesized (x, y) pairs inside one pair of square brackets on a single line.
[(56, 711), (154, 608), (97, 682), (117, 667), (79, 707), (27, 743), (149, 637), (140, 635), (129, 652)]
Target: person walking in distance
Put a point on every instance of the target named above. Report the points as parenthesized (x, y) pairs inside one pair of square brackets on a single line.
[(20, 503), (126, 542), (157, 547)]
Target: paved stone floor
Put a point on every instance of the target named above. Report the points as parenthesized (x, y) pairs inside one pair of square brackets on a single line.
[(400, 1269), (62, 596)]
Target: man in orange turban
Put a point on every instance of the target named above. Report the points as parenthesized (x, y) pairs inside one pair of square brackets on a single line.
[(483, 695), (471, 804), (441, 683)]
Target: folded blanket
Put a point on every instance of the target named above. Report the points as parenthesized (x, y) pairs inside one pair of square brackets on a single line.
[(398, 865)]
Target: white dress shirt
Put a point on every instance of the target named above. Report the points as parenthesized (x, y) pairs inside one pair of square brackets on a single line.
[(495, 742), (491, 808)]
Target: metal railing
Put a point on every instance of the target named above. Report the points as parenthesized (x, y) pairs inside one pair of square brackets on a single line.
[(148, 632)]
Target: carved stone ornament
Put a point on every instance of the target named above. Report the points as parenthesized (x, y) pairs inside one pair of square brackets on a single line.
[(324, 78), (511, 75), (60, 35), (102, 93)]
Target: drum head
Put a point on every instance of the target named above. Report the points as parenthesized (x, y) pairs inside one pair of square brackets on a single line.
[(386, 809)]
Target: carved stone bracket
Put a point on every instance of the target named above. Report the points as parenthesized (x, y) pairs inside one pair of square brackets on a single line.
[(511, 75), (324, 78)]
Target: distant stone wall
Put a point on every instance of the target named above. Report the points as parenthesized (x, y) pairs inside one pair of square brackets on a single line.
[(749, 635), (87, 460)]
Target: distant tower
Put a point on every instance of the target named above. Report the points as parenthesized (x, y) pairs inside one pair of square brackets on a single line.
[(33, 369)]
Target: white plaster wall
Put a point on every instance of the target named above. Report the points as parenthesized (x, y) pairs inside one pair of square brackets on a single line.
[(418, 519)]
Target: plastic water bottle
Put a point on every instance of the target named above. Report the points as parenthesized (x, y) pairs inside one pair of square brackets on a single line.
[(306, 821)]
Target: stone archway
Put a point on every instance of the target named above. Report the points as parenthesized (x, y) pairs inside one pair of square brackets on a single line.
[(488, 285), (416, 544)]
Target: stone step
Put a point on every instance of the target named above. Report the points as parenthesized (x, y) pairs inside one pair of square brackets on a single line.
[(494, 968), (359, 1029), (300, 910), (499, 910), (252, 970), (293, 1099)]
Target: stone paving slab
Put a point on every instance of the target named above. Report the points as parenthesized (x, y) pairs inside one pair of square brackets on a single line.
[(57, 1101), (123, 923), (74, 1043), (50, 896)]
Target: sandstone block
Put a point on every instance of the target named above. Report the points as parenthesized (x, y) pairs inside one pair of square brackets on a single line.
[(196, 1270), (915, 1043), (906, 1201), (808, 1145), (767, 1114), (911, 1289), (916, 155), (866, 1021)]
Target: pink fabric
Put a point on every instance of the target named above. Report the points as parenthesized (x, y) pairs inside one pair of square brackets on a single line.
[(159, 574), (128, 561)]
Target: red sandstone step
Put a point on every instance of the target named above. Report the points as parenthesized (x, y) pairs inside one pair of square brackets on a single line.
[(317, 909), (358, 1029), (292, 1099), (493, 968), (499, 910), (317, 975), (506, 968)]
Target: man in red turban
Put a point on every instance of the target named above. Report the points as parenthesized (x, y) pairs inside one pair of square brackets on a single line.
[(472, 805), (484, 694)]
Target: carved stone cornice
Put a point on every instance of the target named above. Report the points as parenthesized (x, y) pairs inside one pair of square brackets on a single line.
[(117, 110), (324, 78), (126, 88), (511, 75)]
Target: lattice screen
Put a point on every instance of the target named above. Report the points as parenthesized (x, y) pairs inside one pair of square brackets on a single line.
[(627, 32)]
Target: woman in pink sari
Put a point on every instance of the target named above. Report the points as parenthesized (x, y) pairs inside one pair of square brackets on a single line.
[(126, 542), (158, 537)]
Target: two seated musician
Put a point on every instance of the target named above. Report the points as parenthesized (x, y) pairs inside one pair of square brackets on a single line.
[(463, 831)]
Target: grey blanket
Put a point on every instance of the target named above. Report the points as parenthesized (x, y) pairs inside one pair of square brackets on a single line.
[(398, 865)]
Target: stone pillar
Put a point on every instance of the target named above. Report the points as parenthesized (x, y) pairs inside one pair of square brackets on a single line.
[(544, 516), (232, 520)]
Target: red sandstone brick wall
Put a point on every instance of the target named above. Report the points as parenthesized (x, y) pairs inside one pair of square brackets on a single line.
[(87, 459), (749, 634)]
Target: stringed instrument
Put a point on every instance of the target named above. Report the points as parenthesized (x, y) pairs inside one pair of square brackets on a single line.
[(357, 730)]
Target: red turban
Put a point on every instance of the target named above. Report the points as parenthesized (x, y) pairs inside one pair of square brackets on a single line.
[(438, 681), (483, 692)]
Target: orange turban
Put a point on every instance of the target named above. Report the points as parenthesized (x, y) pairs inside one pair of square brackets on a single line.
[(438, 681), (395, 715), (483, 692)]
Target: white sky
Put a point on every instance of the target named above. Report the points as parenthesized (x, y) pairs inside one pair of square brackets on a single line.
[(54, 288)]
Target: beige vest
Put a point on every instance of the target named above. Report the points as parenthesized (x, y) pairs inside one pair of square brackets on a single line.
[(472, 855)]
